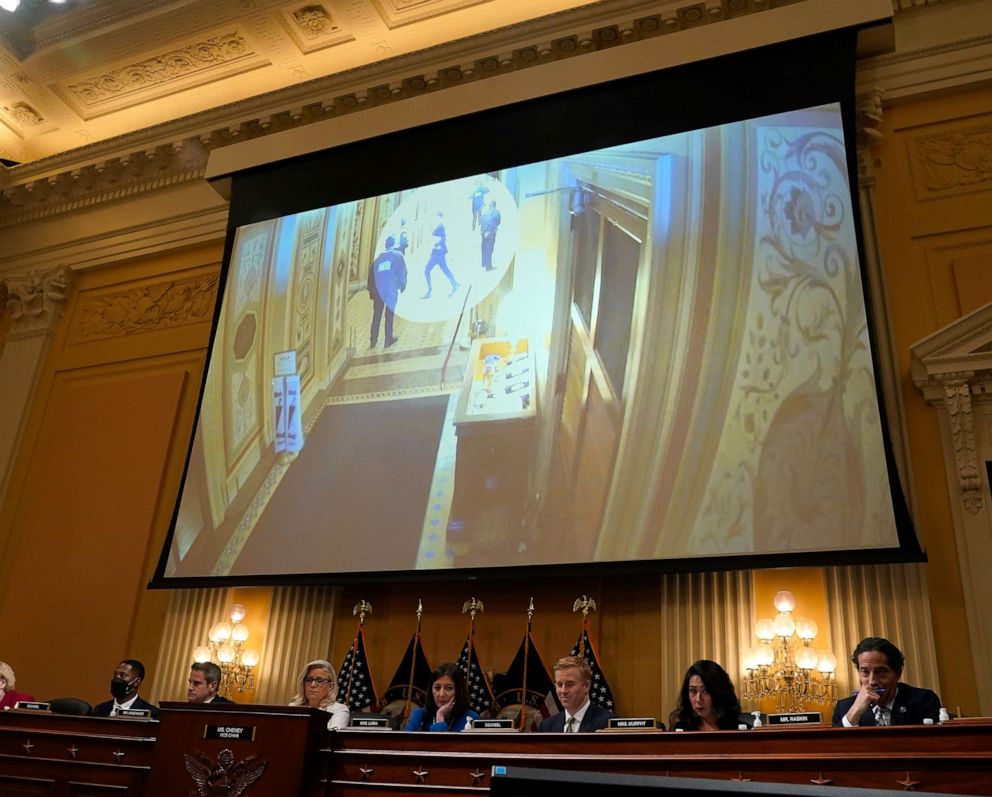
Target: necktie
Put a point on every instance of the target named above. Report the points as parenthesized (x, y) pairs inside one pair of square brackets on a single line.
[(570, 725), (880, 717)]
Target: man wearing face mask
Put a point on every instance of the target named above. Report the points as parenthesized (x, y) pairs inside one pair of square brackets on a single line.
[(124, 687)]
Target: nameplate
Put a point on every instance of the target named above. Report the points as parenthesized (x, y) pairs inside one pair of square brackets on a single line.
[(134, 713), (498, 724), (632, 723), (33, 705), (240, 733), (371, 723), (796, 718)]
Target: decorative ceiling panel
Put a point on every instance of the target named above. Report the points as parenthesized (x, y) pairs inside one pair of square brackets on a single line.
[(313, 27), (396, 13), (203, 60)]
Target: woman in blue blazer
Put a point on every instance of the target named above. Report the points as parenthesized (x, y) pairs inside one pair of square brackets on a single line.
[(447, 703)]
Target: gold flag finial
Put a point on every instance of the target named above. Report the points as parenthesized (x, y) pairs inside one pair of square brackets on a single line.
[(420, 609), (530, 610), (472, 605), (362, 608), (586, 604)]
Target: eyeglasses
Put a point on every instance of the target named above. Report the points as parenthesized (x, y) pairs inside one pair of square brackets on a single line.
[(318, 681)]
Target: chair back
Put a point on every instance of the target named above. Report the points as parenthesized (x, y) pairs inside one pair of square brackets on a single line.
[(70, 705)]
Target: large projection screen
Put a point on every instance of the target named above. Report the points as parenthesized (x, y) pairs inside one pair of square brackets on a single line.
[(650, 354)]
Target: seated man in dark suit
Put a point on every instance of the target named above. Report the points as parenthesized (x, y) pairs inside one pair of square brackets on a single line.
[(572, 681), (124, 687), (883, 699), (203, 682)]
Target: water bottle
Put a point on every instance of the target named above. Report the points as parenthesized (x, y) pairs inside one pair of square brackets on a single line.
[(757, 719), (944, 716)]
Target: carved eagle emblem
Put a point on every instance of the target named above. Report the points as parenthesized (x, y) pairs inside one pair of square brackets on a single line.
[(225, 775)]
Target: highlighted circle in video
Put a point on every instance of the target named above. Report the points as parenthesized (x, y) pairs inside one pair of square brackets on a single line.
[(457, 240)]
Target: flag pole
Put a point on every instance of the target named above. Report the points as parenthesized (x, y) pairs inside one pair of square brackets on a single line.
[(585, 604), (362, 608), (472, 605), (413, 663), (523, 701)]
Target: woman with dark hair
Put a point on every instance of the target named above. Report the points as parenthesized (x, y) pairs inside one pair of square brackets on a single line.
[(707, 701), (447, 703)]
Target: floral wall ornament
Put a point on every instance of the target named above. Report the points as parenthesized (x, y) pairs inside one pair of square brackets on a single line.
[(957, 399), (36, 300)]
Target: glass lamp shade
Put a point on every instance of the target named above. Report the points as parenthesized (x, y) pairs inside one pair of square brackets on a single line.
[(785, 601), (764, 630), (764, 655), (225, 654), (9, 5), (806, 629), (220, 632), (238, 612), (201, 654), (239, 633), (806, 659), (784, 625), (250, 658), (827, 662)]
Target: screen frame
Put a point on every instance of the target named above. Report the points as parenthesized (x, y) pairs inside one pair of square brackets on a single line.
[(590, 112)]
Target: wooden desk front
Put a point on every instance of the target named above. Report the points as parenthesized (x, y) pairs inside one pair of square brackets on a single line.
[(44, 754), (955, 758), (47, 754)]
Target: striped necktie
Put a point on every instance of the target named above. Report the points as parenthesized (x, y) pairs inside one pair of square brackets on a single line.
[(570, 725)]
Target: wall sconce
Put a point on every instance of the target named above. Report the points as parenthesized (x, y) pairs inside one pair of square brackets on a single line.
[(774, 670), (227, 650)]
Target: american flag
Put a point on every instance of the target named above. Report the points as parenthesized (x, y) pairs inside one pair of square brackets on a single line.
[(526, 683), (356, 688), (480, 691), (413, 668), (599, 692)]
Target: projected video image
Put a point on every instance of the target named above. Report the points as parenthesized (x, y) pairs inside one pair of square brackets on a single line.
[(653, 351)]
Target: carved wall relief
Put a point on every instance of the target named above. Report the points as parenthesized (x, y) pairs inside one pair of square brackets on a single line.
[(953, 162)]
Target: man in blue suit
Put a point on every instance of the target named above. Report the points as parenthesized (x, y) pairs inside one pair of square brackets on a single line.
[(882, 698), (580, 715), (124, 687)]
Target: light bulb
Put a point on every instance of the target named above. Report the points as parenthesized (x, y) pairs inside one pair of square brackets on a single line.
[(784, 625), (225, 654), (827, 662), (785, 601), (765, 630), (806, 629), (9, 5), (239, 633), (238, 612), (806, 659), (220, 632), (764, 655), (250, 658), (201, 654)]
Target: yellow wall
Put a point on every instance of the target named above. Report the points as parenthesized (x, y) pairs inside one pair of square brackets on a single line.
[(89, 501), (935, 216)]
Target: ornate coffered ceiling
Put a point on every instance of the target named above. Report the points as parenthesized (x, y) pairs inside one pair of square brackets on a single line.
[(95, 69)]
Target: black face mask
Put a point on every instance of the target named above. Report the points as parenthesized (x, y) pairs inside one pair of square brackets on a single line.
[(119, 689)]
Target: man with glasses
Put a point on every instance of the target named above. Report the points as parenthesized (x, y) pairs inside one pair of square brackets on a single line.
[(882, 698)]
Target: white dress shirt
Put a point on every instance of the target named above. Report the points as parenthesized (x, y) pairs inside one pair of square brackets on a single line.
[(578, 715)]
